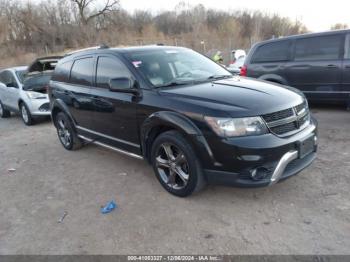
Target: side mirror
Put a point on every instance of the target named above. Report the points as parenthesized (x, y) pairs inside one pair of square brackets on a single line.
[(12, 85), (123, 85)]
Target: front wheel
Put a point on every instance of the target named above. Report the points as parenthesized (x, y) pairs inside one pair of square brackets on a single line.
[(176, 165), (26, 115), (66, 133)]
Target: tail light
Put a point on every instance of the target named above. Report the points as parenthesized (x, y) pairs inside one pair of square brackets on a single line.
[(244, 70)]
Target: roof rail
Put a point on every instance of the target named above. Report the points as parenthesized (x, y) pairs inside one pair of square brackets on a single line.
[(103, 46)]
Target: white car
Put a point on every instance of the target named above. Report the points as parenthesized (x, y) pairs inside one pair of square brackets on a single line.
[(13, 97), (235, 67)]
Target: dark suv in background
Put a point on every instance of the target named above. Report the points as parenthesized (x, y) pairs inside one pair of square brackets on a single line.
[(318, 64), (188, 116)]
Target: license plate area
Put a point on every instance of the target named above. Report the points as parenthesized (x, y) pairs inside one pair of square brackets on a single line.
[(306, 146)]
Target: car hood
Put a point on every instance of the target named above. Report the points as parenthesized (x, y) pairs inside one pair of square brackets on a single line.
[(238, 96)]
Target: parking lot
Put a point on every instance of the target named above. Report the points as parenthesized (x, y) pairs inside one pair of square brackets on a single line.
[(307, 214)]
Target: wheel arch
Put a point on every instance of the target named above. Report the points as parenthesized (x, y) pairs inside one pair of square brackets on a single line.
[(59, 106), (163, 121), (274, 78)]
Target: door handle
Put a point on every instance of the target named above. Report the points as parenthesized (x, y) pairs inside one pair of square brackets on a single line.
[(347, 66), (331, 66)]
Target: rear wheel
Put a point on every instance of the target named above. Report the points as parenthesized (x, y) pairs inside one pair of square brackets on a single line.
[(176, 165), (66, 133), (4, 113), (26, 115)]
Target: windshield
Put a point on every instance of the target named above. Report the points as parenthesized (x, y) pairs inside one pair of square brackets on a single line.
[(20, 75), (168, 67)]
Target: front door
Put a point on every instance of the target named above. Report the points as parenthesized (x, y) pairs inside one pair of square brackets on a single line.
[(316, 69), (114, 117)]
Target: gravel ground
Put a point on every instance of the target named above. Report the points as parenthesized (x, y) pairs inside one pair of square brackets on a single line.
[(307, 214)]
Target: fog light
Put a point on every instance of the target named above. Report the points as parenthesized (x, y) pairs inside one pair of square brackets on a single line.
[(260, 173), (315, 140)]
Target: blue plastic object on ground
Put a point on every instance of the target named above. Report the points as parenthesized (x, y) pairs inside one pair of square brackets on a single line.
[(109, 207)]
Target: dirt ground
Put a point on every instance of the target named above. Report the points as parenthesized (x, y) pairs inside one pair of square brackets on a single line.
[(307, 214)]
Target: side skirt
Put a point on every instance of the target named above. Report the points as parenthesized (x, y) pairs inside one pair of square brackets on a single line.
[(111, 147)]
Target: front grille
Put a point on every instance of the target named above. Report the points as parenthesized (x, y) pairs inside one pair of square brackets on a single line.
[(278, 115), (288, 121), (44, 107)]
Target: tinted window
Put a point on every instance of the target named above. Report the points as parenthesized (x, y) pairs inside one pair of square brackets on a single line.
[(277, 51), (109, 68), (164, 67), (318, 48), (6, 77), (347, 47), (62, 72), (81, 73)]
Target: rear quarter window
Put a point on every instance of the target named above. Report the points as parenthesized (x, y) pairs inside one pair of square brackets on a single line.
[(62, 72), (272, 52)]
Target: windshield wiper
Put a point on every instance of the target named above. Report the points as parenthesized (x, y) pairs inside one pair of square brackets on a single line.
[(173, 83), (217, 77)]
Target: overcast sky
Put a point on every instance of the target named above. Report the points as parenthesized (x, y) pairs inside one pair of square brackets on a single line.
[(317, 15)]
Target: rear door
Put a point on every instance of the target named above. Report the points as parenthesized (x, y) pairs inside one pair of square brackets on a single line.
[(346, 70), (114, 117), (316, 68), (71, 84)]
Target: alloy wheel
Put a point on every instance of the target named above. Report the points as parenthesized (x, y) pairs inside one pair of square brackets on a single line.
[(172, 166), (63, 133), (24, 114)]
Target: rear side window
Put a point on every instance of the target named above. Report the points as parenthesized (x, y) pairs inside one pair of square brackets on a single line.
[(62, 72), (6, 77), (109, 68), (272, 52), (82, 71), (318, 48)]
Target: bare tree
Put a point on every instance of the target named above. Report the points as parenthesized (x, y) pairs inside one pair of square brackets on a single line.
[(84, 9)]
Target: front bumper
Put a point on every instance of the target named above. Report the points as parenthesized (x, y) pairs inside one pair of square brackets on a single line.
[(39, 107), (273, 158)]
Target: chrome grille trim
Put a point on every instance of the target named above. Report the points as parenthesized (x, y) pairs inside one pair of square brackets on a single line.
[(295, 122)]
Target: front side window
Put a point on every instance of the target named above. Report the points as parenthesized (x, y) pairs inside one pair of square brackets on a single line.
[(82, 71), (109, 68), (318, 48), (167, 67), (272, 52)]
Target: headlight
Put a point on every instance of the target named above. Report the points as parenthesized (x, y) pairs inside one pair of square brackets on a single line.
[(233, 127), (35, 95)]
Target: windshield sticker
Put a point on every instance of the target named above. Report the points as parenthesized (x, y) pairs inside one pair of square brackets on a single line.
[(137, 63)]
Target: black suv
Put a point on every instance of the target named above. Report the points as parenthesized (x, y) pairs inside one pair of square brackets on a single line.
[(189, 117), (317, 64)]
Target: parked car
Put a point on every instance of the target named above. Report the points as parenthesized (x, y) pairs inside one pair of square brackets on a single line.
[(185, 114), (24, 90), (318, 64), (235, 66)]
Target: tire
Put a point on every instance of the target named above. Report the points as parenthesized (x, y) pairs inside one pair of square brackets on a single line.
[(4, 113), (26, 115), (66, 132), (183, 164)]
